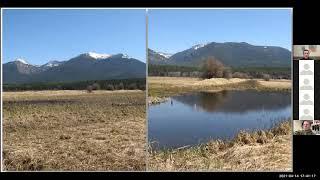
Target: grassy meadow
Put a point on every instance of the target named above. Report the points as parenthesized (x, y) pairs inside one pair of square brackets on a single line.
[(159, 88), (74, 130)]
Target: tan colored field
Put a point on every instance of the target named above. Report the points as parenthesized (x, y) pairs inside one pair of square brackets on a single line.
[(281, 84), (176, 81), (260, 151), (74, 130), (45, 94), (192, 82), (218, 82), (167, 86)]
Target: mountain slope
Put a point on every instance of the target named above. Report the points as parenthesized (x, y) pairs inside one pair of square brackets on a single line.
[(86, 66), (157, 58), (231, 54), (18, 71)]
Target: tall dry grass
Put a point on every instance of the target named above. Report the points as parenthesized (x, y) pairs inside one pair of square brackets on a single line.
[(268, 150), (168, 86), (74, 131)]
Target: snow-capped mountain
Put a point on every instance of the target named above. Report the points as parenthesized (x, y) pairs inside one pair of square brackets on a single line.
[(86, 66), (166, 55), (126, 56), (235, 54), (197, 46), (52, 64), (157, 57), (21, 60), (19, 69), (96, 55)]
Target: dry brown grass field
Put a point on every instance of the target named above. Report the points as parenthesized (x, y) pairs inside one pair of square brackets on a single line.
[(74, 130), (160, 87), (269, 150)]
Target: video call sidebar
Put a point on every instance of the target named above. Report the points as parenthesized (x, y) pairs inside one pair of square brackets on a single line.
[(306, 86)]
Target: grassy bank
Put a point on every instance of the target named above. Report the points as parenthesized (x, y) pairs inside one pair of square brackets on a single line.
[(157, 100), (268, 150), (168, 86), (74, 130)]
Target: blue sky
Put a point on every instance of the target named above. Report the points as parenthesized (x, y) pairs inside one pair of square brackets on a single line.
[(172, 31), (39, 36)]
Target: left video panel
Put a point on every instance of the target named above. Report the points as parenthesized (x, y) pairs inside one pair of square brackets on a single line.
[(74, 85)]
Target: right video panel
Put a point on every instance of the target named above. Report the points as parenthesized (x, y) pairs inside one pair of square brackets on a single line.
[(306, 85), (219, 89)]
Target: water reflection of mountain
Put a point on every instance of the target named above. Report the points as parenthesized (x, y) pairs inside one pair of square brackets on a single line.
[(235, 101)]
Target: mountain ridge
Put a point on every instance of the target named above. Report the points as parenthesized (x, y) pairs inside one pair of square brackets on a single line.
[(234, 54), (86, 66)]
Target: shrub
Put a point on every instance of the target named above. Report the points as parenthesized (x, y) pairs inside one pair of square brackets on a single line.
[(227, 73), (213, 68), (110, 87), (240, 75), (95, 86), (121, 86), (89, 89), (266, 77), (132, 86)]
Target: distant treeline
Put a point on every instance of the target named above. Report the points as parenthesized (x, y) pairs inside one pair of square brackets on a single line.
[(244, 72), (259, 72), (173, 70), (118, 84)]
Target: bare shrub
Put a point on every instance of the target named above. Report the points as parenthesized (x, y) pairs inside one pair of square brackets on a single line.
[(227, 73), (213, 68), (266, 77), (121, 86), (240, 75), (89, 89), (95, 86), (110, 87), (133, 86)]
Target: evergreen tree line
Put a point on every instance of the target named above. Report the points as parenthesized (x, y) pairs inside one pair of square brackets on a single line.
[(117, 84), (213, 68)]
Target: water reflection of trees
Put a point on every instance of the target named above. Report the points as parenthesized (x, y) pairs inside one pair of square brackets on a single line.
[(235, 101)]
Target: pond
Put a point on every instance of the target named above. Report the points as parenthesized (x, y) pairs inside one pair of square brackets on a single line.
[(194, 118)]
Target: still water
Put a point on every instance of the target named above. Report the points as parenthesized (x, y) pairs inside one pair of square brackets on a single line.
[(195, 118)]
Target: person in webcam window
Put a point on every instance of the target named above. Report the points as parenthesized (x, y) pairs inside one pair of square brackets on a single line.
[(306, 54), (316, 126), (306, 129)]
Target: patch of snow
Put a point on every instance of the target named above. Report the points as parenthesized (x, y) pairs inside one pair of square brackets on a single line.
[(98, 56), (195, 47), (125, 56), (22, 61), (52, 65), (166, 55)]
